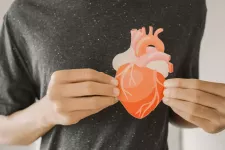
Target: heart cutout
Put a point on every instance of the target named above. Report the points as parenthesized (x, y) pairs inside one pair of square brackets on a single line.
[(141, 71)]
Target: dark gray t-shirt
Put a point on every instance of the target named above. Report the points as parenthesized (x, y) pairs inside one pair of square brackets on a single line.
[(39, 37)]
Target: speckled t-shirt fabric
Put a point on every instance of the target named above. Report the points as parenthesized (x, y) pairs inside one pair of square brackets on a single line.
[(39, 37)]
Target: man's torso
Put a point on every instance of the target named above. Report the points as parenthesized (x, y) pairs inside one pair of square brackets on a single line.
[(72, 34)]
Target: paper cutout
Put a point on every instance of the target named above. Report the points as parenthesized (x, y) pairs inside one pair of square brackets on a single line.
[(141, 71)]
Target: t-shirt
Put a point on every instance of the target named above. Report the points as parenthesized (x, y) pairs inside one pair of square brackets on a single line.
[(39, 37)]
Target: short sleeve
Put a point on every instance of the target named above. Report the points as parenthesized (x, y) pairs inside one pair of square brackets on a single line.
[(16, 87)]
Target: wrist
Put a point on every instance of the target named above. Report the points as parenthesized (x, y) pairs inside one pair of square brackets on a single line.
[(47, 118)]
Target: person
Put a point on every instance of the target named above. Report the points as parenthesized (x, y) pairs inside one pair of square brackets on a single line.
[(57, 79)]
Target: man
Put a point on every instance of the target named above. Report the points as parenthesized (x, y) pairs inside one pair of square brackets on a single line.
[(46, 47)]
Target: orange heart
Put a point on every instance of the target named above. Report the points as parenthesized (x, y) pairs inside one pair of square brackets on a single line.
[(141, 71), (141, 89)]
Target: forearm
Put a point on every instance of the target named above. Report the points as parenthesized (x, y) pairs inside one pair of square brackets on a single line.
[(26, 126), (180, 122)]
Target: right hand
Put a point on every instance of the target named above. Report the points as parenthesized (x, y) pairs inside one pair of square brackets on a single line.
[(79, 93)]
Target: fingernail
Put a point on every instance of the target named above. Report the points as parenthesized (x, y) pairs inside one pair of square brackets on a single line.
[(116, 100), (166, 92), (115, 82), (166, 83), (116, 92), (165, 100)]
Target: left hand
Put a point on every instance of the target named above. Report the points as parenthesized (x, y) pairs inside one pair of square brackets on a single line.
[(198, 102)]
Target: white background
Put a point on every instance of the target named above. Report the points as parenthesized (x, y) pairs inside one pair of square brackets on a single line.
[(212, 68)]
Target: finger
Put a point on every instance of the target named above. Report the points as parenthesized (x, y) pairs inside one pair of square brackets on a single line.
[(81, 75), (210, 87), (89, 89), (195, 96), (193, 109), (200, 122), (85, 103)]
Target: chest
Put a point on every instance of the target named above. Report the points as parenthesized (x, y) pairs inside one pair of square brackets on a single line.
[(87, 34)]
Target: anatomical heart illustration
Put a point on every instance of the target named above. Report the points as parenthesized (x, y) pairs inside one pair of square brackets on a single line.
[(141, 71)]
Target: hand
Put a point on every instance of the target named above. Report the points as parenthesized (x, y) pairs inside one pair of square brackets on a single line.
[(76, 94), (199, 102)]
